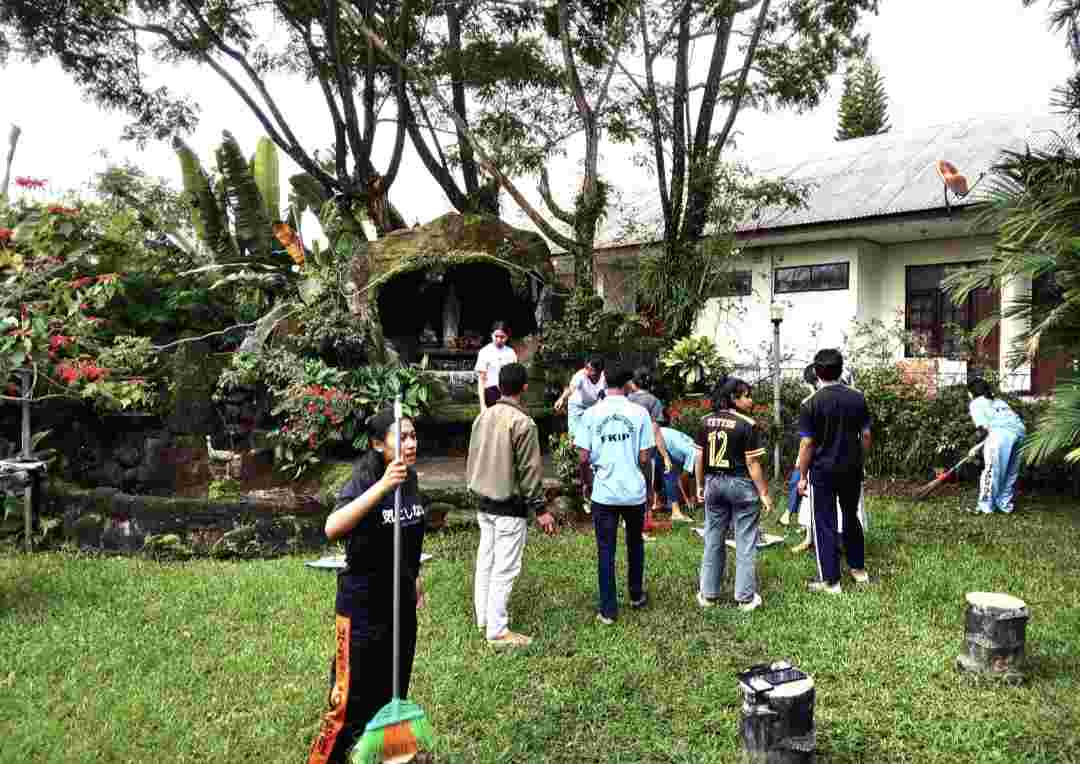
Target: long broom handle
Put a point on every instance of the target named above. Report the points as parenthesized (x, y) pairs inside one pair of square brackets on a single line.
[(397, 555), (968, 457)]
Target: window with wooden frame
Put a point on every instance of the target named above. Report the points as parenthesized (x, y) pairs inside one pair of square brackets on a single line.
[(733, 284), (936, 323), (811, 278)]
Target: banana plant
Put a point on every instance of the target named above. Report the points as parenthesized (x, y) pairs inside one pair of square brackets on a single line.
[(237, 213)]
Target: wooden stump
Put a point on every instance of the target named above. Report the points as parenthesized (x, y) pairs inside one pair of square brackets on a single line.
[(994, 635), (776, 725)]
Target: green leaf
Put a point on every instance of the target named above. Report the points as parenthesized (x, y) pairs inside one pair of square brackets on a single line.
[(253, 234), (268, 177), (311, 289)]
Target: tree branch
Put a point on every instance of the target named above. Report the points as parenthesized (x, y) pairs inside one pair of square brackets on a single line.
[(294, 151), (545, 192), (439, 169), (740, 91), (399, 88), (457, 79), (545, 227), (654, 116), (239, 58), (344, 81)]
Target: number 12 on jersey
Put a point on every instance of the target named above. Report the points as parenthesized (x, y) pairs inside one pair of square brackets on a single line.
[(718, 444)]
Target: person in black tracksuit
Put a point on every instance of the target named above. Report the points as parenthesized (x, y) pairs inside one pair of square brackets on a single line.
[(834, 430), (361, 674)]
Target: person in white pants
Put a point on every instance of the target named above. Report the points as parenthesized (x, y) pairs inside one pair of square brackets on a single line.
[(505, 472)]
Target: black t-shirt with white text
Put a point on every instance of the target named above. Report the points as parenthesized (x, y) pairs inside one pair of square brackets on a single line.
[(727, 438), (835, 417), (367, 580)]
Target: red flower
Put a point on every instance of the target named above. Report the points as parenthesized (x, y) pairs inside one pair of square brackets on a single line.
[(311, 440), (5, 235), (67, 373), (58, 341), (108, 278), (93, 372), (57, 209), (24, 182), (80, 283)]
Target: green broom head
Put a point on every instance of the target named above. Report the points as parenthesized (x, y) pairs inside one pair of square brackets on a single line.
[(397, 732)]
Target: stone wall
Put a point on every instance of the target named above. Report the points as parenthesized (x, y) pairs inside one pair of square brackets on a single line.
[(110, 520)]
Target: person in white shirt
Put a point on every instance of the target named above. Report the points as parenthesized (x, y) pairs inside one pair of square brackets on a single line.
[(585, 389), (491, 358)]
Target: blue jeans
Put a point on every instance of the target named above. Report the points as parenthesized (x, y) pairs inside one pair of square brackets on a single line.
[(793, 497), (728, 500), (606, 522), (669, 480)]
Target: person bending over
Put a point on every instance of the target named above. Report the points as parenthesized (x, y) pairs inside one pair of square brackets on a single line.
[(1003, 432)]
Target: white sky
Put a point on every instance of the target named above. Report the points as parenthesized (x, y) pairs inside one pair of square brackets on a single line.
[(942, 61)]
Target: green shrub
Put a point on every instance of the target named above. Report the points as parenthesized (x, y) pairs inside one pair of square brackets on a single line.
[(564, 456)]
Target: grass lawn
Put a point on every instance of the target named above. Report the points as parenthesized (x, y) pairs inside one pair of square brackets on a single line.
[(110, 660)]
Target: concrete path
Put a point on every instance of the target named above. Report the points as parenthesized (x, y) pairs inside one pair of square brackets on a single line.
[(449, 471)]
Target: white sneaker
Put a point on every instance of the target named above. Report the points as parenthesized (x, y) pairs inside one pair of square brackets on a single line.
[(821, 586), (860, 576), (509, 639), (704, 601), (753, 604), (605, 620)]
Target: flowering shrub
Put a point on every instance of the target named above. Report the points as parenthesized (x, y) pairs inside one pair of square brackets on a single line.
[(314, 416), (52, 306)]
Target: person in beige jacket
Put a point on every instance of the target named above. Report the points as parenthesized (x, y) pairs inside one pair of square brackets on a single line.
[(505, 471)]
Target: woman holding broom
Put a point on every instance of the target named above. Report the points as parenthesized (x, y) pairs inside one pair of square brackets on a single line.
[(361, 676), (1005, 432)]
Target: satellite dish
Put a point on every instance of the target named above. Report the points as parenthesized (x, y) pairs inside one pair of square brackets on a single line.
[(952, 178), (953, 181)]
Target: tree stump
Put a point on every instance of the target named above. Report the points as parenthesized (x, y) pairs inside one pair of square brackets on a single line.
[(994, 635), (776, 723)]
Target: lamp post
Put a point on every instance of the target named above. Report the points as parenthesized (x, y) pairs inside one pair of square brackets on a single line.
[(776, 315)]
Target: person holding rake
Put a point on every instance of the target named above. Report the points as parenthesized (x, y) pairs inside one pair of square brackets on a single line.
[(1001, 448)]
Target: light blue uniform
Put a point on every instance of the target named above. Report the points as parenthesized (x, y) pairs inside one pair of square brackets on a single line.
[(614, 432), (1001, 452), (681, 448)]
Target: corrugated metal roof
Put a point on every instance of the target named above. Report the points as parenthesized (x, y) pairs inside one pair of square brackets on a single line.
[(864, 178), (895, 172)]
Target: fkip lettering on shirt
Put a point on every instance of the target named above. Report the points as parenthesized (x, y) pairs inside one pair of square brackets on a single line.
[(614, 432)]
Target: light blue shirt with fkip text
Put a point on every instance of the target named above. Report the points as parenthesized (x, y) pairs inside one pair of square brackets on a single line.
[(614, 432)]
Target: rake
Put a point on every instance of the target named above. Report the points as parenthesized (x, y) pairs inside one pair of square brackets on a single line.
[(933, 485)]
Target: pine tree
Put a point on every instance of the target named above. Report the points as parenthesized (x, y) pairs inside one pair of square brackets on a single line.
[(864, 106)]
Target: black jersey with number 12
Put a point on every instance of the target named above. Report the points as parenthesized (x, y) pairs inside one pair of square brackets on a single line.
[(726, 439)]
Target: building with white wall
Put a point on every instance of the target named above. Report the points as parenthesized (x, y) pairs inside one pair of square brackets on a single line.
[(870, 249)]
